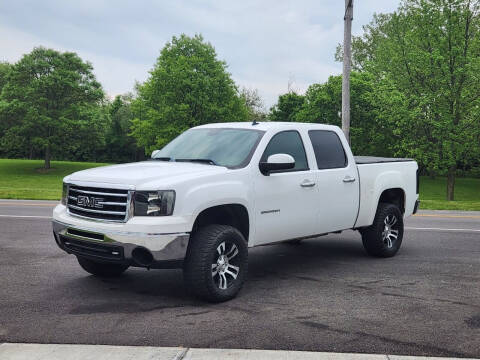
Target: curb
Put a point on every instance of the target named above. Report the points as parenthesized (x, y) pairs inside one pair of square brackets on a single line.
[(9, 351)]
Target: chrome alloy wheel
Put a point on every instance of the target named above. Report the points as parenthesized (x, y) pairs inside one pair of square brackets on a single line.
[(390, 230), (224, 270)]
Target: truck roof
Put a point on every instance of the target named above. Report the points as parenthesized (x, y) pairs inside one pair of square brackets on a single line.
[(269, 125)]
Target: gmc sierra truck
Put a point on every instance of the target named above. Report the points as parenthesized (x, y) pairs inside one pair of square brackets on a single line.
[(218, 189)]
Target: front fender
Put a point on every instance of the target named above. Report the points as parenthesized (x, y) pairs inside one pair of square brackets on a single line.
[(201, 197)]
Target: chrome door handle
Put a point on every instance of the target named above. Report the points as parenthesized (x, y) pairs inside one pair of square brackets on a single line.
[(348, 179), (307, 183)]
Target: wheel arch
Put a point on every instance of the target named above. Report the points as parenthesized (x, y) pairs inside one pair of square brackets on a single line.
[(233, 214), (395, 196)]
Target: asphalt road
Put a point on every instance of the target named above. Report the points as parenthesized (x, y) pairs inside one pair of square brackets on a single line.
[(322, 295)]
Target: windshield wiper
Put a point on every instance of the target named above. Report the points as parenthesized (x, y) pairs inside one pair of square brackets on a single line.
[(205, 161), (165, 158)]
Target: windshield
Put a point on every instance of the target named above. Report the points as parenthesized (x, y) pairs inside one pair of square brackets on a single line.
[(232, 148)]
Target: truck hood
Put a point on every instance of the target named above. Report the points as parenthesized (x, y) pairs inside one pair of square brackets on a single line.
[(145, 172)]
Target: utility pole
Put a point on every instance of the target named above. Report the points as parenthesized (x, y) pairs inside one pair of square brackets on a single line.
[(347, 58)]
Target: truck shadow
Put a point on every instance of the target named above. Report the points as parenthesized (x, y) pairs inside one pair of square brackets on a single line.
[(140, 290), (319, 256)]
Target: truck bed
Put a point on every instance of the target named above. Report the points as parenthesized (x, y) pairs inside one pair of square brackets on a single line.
[(377, 160), (377, 174)]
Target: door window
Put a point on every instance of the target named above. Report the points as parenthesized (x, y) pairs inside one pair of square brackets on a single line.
[(287, 142), (328, 149)]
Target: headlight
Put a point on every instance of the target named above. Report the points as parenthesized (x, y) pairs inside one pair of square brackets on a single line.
[(154, 203), (64, 194)]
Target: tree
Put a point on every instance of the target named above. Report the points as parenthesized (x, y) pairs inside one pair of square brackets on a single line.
[(120, 147), (4, 120), (87, 135), (254, 104), (323, 104), (425, 58), (49, 95), (4, 71), (365, 45), (188, 86), (287, 106)]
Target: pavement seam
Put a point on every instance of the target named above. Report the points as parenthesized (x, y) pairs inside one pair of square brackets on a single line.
[(182, 354)]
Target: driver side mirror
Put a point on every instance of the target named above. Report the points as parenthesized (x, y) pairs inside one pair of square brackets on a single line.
[(154, 152), (277, 162)]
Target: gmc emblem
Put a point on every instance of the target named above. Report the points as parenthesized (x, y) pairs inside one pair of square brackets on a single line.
[(89, 201)]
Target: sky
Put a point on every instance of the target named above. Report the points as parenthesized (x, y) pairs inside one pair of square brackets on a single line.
[(267, 44)]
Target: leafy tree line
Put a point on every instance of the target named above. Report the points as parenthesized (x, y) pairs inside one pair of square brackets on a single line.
[(322, 103), (414, 93), (51, 105), (416, 89)]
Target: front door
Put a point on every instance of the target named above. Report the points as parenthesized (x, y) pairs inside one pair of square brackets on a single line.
[(285, 201)]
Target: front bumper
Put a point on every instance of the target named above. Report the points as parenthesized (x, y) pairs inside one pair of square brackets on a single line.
[(151, 250)]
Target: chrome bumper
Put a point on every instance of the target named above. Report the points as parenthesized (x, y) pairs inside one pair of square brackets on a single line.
[(167, 249)]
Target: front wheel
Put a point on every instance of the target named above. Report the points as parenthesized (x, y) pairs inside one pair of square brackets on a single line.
[(384, 237), (216, 263), (101, 269)]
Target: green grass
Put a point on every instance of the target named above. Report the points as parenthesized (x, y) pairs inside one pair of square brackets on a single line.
[(24, 179), (433, 193)]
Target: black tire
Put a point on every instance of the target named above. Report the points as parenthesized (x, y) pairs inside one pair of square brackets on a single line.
[(205, 257), (384, 237), (101, 269)]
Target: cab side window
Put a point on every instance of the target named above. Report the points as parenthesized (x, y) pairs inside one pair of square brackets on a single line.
[(328, 149), (288, 142)]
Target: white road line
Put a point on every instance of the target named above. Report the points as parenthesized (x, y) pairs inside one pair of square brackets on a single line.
[(26, 204), (26, 216), (407, 228), (441, 229), (448, 216)]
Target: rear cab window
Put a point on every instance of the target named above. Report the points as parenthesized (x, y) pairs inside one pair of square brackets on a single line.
[(328, 149)]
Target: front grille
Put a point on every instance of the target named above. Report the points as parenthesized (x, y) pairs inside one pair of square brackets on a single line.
[(98, 203), (92, 249)]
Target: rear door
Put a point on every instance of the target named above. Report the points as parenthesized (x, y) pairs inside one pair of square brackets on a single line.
[(336, 176)]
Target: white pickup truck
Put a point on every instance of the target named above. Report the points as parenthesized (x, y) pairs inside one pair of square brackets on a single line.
[(218, 189)]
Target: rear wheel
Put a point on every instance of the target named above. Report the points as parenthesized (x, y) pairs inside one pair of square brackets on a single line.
[(216, 263), (384, 237), (101, 269)]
